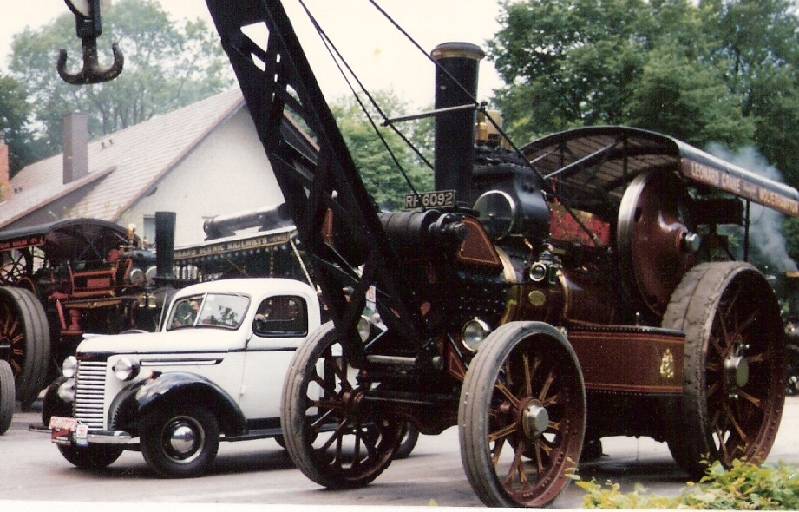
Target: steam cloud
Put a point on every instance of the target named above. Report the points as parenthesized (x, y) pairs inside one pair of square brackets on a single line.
[(766, 226)]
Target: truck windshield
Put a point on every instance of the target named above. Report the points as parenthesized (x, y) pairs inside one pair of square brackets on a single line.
[(221, 310)]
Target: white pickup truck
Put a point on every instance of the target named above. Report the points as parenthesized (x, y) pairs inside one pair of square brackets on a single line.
[(214, 372)]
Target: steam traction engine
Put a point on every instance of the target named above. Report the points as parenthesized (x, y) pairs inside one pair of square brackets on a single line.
[(585, 277), (60, 280)]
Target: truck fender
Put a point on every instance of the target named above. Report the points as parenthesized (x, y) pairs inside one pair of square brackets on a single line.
[(144, 397)]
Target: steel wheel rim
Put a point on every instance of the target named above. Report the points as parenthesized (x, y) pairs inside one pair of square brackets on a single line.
[(741, 418), (167, 439), (12, 333), (539, 466), (341, 434)]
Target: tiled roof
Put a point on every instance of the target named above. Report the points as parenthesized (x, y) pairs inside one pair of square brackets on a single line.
[(123, 165)]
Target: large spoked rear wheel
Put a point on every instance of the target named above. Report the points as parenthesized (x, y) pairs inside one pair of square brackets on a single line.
[(24, 328), (331, 433), (522, 416), (734, 366)]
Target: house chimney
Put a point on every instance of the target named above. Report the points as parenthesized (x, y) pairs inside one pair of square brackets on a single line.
[(76, 147), (6, 190)]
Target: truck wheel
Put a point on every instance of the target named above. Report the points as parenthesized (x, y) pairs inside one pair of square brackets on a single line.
[(734, 366), (181, 441), (524, 392), (281, 441), (8, 398), (23, 326), (90, 457), (52, 404), (332, 439), (408, 442)]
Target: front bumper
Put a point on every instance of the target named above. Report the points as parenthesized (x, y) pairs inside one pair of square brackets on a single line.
[(70, 432)]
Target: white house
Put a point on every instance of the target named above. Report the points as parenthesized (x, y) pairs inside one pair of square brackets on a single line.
[(200, 161)]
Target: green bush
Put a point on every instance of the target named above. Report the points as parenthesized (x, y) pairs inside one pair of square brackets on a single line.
[(743, 486)]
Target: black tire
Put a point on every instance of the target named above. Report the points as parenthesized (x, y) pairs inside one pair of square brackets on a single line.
[(52, 404), (592, 450), (90, 457), (309, 445), (169, 461), (8, 400), (733, 375), (281, 441), (522, 368), (408, 442), (29, 333)]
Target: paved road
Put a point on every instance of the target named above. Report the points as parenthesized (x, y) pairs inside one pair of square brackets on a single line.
[(260, 472)]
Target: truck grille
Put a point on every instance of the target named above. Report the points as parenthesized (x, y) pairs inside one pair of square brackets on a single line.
[(89, 393)]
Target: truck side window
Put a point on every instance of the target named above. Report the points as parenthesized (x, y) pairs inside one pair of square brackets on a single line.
[(281, 317)]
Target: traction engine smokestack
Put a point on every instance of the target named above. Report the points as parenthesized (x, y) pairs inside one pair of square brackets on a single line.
[(455, 130), (165, 247)]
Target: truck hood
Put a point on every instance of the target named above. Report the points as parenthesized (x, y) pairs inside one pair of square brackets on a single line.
[(184, 340)]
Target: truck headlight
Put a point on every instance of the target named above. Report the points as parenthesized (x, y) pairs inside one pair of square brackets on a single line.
[(125, 369), (66, 391), (69, 367), (473, 334)]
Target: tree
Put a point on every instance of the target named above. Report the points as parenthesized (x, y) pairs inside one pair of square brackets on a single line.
[(167, 65), (14, 130), (381, 175), (715, 70)]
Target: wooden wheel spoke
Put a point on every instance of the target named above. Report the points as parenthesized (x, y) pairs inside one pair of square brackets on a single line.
[(757, 358), (736, 425), (341, 373), (713, 367), (554, 425), (515, 466), (357, 457), (552, 400), (502, 433), (337, 434), (497, 450), (547, 384), (757, 402), (316, 425), (746, 323), (538, 462), (502, 388), (713, 389), (529, 373)]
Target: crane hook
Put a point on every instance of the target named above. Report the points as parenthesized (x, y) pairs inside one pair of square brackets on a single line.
[(88, 26)]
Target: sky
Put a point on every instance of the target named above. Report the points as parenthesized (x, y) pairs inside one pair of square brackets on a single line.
[(381, 56)]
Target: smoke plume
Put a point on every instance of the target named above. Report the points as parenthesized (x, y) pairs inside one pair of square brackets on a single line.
[(766, 226)]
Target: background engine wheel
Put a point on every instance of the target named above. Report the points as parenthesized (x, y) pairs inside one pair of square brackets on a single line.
[(408, 442), (181, 441), (8, 400), (334, 439), (90, 457), (522, 416), (734, 366), (23, 326)]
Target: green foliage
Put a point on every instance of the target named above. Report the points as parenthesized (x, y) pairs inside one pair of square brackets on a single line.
[(743, 486), (379, 171), (14, 129), (168, 64), (716, 70)]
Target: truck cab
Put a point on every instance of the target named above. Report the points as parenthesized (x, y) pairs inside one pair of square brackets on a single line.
[(213, 372)]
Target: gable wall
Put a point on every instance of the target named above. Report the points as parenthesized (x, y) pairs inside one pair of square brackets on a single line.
[(226, 173)]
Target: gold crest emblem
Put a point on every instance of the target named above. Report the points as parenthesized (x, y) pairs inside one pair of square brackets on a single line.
[(667, 365)]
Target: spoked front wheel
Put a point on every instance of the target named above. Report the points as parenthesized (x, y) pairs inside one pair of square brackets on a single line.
[(332, 434), (522, 416)]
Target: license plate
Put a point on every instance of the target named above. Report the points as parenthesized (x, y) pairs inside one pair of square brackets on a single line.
[(438, 199), (61, 423), (82, 434)]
